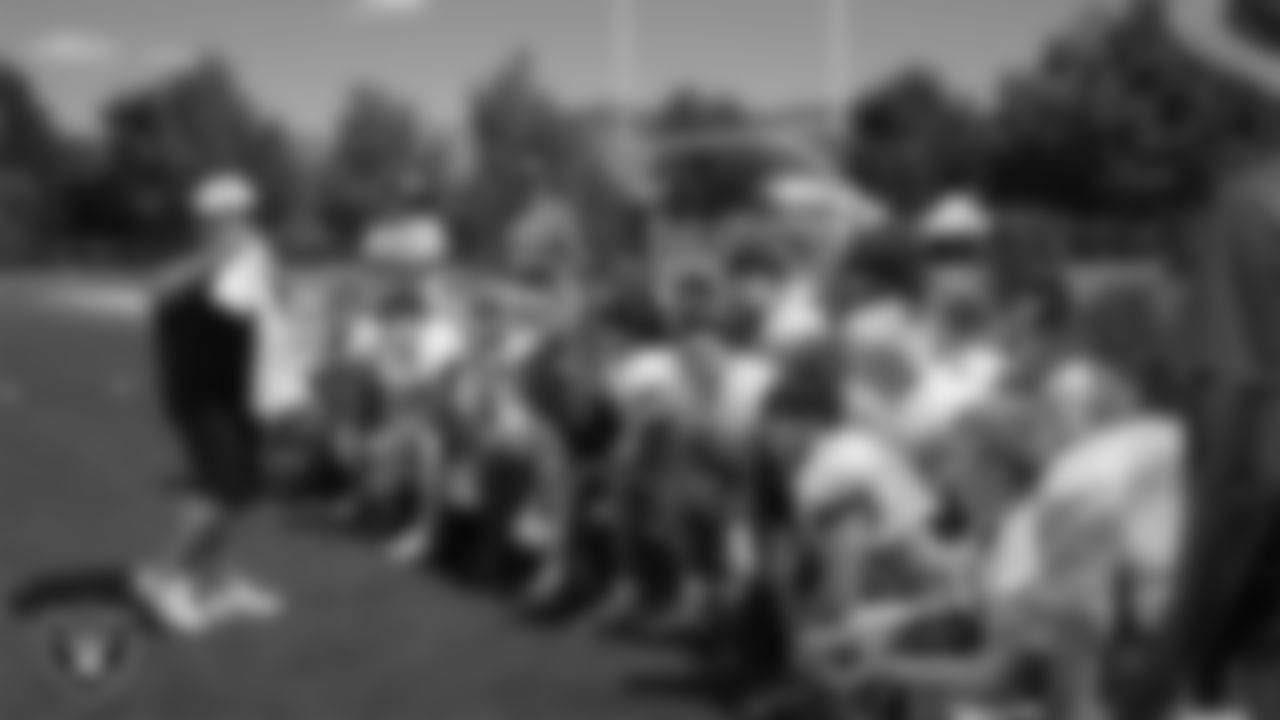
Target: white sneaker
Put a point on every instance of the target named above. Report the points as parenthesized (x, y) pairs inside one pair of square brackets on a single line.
[(176, 599), (411, 547), (534, 532), (241, 597)]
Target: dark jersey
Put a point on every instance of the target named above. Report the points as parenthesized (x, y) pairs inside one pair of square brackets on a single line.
[(1232, 330), (202, 352)]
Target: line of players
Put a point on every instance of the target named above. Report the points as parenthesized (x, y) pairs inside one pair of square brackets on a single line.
[(906, 472)]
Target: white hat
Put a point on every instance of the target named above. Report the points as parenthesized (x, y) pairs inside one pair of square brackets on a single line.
[(418, 241), (790, 192), (223, 196), (807, 191), (843, 209), (958, 216)]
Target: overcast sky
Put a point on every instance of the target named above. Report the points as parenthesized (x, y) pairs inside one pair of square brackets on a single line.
[(299, 55)]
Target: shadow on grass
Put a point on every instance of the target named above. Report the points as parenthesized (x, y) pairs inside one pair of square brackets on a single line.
[(97, 589), (689, 684)]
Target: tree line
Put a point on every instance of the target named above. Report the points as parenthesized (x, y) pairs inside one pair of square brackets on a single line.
[(1115, 130)]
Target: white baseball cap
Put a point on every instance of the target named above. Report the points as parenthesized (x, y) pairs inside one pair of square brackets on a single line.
[(844, 210), (959, 216), (223, 196), (418, 241)]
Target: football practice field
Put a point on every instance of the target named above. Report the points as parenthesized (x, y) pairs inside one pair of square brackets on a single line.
[(85, 478), (86, 482)]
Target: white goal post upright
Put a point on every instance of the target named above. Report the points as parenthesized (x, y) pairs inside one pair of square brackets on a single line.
[(838, 21), (624, 41)]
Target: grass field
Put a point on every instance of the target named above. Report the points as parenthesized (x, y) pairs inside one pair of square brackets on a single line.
[(83, 469), (83, 464)]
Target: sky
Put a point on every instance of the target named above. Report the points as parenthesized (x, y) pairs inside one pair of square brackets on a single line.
[(298, 57)]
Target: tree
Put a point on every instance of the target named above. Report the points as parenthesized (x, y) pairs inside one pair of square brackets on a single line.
[(1118, 119), (32, 166), (162, 138), (517, 124), (710, 165), (524, 144), (382, 158), (914, 140)]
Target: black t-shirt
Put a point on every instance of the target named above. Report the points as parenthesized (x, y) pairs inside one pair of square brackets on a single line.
[(202, 352)]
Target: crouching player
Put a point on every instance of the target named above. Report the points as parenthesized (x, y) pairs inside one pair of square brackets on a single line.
[(385, 389), (1075, 564)]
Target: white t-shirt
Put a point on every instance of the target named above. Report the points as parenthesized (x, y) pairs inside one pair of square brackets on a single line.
[(796, 320), (1078, 396), (287, 341), (950, 389), (406, 354), (745, 384), (653, 378), (849, 462), (246, 282), (1112, 501), (880, 347)]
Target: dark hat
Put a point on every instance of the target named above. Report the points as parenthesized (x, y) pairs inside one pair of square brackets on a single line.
[(1239, 37)]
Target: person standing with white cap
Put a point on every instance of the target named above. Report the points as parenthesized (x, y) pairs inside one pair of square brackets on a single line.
[(408, 256), (211, 308)]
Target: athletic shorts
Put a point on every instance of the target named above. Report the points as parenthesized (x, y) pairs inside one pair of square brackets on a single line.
[(223, 451)]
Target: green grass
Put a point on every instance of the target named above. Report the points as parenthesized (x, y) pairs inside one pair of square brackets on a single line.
[(83, 461)]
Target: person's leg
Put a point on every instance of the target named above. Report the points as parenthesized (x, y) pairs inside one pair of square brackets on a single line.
[(756, 645), (353, 409), (418, 467), (387, 461), (550, 517), (221, 451), (624, 509), (193, 581), (678, 536), (707, 518)]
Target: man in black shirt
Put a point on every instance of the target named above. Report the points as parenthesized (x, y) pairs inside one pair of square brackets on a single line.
[(207, 327)]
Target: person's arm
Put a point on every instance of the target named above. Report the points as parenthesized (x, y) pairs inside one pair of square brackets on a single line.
[(972, 673), (878, 626), (189, 267)]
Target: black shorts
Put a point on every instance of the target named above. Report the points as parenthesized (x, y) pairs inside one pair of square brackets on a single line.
[(223, 452)]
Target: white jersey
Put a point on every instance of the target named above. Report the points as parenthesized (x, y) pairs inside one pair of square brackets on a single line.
[(746, 382), (1110, 503), (407, 354), (949, 390), (796, 319), (487, 387), (881, 350), (852, 462), (652, 378), (1078, 397), (287, 340)]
